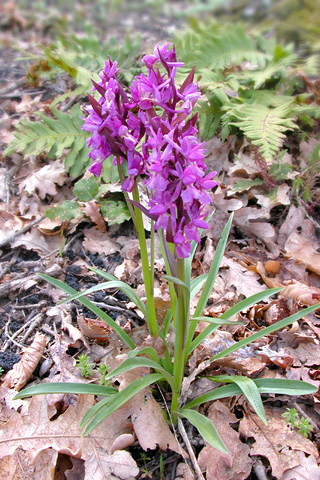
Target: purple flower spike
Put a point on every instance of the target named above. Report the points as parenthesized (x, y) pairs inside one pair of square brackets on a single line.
[(154, 117)]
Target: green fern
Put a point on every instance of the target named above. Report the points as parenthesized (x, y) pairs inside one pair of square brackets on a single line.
[(210, 47), (264, 126), (54, 135)]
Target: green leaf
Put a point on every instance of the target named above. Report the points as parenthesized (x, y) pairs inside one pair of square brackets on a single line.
[(100, 313), (214, 268), (51, 134), (239, 307), (264, 126), (150, 351), (271, 386), (112, 284), (196, 285), (87, 188), (121, 398), (205, 427), (93, 411), (216, 321), (114, 211), (211, 48), (249, 389), (65, 387), (65, 211), (245, 184), (175, 281), (131, 363), (266, 331)]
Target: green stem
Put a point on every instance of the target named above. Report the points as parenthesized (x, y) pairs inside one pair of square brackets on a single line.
[(152, 256), (182, 324), (126, 196), (152, 324)]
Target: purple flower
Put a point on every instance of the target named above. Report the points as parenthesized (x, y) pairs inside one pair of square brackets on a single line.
[(155, 118)]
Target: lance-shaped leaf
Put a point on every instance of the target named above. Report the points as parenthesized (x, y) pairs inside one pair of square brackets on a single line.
[(66, 387), (100, 313), (121, 398), (131, 363), (205, 427)]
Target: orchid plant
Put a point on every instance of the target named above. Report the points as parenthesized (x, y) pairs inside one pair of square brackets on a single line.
[(151, 133)]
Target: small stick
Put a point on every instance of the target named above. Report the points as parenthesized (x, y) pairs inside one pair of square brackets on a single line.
[(305, 415), (193, 459), (16, 333), (9, 264), (34, 324), (20, 232), (259, 470), (12, 86)]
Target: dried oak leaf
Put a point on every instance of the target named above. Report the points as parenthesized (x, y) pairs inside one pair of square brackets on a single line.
[(19, 466), (98, 242), (22, 371), (92, 210), (245, 281), (307, 470), (148, 422), (236, 465), (34, 432), (249, 220), (43, 182), (301, 292), (276, 441)]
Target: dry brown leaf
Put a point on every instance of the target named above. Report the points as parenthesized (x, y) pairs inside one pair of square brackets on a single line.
[(244, 361), (94, 328), (276, 441), (92, 210), (304, 250), (307, 470), (77, 472), (218, 465), (75, 335), (99, 242), (22, 371), (302, 293), (20, 466), (34, 240), (120, 464), (249, 219), (300, 348), (245, 281), (43, 182), (34, 433), (148, 422), (294, 220)]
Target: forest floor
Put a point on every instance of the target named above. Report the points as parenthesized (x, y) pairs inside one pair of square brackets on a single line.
[(272, 243)]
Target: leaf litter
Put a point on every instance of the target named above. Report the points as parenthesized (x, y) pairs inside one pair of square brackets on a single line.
[(39, 436)]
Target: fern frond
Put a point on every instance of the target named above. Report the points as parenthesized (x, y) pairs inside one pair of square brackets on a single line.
[(264, 126), (53, 135), (218, 50)]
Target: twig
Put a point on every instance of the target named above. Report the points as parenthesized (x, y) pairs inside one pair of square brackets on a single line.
[(7, 334), (16, 333), (259, 470), (12, 86), (48, 330), (34, 324), (193, 459), (20, 232), (118, 309), (188, 380), (305, 415), (9, 264)]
